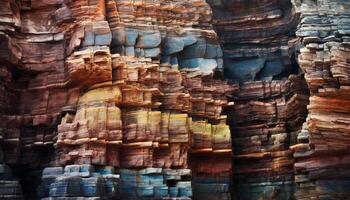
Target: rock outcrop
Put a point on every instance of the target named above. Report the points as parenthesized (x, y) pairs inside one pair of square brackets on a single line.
[(259, 45), (266, 119), (322, 152), (257, 38), (174, 99), (128, 85)]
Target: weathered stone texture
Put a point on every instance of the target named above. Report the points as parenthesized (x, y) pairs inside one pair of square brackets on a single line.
[(322, 153), (270, 101), (256, 38), (127, 99), (123, 84)]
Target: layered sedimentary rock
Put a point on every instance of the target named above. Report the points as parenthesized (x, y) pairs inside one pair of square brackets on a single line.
[(120, 99), (10, 188), (156, 183), (265, 121), (322, 152), (256, 38), (259, 46), (127, 85), (79, 181)]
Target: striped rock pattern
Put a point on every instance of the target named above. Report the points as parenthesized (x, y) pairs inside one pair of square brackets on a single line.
[(174, 99)]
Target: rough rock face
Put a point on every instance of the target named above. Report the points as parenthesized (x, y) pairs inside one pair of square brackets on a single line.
[(256, 38), (117, 99), (259, 44), (322, 155), (265, 122), (131, 99)]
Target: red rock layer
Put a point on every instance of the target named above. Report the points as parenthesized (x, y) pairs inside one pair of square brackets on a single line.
[(126, 84), (322, 153), (265, 120), (270, 104), (96, 86)]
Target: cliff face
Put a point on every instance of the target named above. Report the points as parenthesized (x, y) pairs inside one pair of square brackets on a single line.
[(119, 99), (257, 38), (322, 153), (259, 46), (115, 99)]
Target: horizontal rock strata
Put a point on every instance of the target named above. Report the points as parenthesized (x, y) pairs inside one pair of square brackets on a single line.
[(322, 152), (130, 99), (265, 123), (259, 44), (257, 38), (123, 84)]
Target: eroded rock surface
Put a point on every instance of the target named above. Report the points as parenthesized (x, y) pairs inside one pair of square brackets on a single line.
[(256, 38), (114, 99), (259, 44), (322, 153), (174, 99)]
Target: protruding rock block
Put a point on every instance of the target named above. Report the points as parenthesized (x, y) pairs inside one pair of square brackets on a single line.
[(79, 181), (155, 183), (94, 64), (321, 154)]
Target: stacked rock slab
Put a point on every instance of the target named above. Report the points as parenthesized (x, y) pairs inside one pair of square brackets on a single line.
[(10, 187), (32, 63), (112, 83), (168, 42), (256, 37), (79, 181), (266, 118), (322, 153), (156, 183), (270, 105), (211, 150)]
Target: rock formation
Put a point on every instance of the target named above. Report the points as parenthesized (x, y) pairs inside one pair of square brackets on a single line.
[(322, 152), (257, 38), (265, 123), (174, 99), (114, 99), (259, 46)]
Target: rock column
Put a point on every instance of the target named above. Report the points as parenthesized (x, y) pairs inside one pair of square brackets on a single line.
[(322, 152)]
